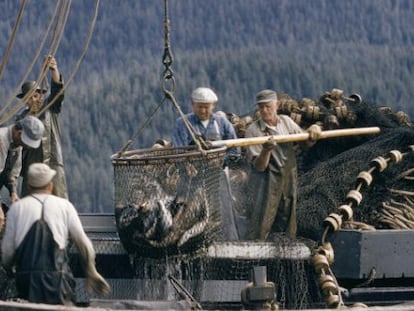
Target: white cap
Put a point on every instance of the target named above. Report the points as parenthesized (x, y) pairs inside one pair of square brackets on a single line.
[(204, 95), (39, 175), (32, 131)]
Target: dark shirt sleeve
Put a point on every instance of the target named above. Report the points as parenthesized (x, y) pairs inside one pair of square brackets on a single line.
[(55, 88)]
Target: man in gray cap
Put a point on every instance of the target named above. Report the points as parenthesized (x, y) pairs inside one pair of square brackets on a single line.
[(26, 132), (273, 179), (48, 110), (36, 239)]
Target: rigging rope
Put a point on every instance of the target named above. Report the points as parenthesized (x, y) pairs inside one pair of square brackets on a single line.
[(76, 67), (13, 36), (22, 103), (57, 36)]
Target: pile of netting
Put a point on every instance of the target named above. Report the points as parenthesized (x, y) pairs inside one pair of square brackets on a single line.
[(167, 200), (330, 169)]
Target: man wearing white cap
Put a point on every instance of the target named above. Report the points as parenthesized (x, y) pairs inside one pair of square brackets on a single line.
[(206, 124), (35, 243), (273, 179), (26, 132), (210, 127)]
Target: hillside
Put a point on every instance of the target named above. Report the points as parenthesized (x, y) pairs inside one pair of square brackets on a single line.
[(237, 47)]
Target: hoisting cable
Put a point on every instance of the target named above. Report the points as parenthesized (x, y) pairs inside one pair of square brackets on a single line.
[(169, 76), (168, 87), (22, 103)]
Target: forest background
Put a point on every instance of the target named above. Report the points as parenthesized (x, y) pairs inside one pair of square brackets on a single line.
[(237, 47)]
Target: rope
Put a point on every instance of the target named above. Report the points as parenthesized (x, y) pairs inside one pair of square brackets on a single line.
[(22, 103), (13, 36), (76, 67), (55, 40)]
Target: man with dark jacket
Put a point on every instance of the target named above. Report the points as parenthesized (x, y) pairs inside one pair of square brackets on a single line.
[(48, 110)]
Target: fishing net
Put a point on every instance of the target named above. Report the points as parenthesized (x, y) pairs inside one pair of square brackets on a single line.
[(210, 267), (167, 200), (329, 170)]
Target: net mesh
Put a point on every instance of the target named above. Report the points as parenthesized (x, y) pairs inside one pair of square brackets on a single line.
[(148, 177), (167, 200), (215, 281)]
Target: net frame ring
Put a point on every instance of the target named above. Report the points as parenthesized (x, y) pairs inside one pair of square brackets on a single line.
[(365, 178), (395, 155), (346, 211), (354, 196), (320, 263), (334, 221), (380, 163), (168, 84)]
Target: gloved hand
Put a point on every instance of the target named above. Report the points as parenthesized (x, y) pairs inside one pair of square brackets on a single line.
[(95, 282), (269, 145), (315, 132)]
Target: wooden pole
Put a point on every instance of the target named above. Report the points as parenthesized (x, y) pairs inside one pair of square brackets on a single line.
[(240, 142)]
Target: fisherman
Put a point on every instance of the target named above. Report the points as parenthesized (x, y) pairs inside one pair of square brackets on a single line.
[(273, 178), (211, 127), (50, 150), (206, 124), (26, 132), (36, 239)]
